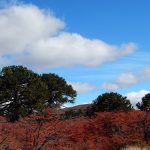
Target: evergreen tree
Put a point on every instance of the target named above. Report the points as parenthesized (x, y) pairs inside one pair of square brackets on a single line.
[(21, 92), (59, 91), (111, 102), (145, 104)]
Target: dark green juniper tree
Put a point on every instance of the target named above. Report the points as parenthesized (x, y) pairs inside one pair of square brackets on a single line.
[(59, 91), (145, 104), (21, 92), (111, 102)]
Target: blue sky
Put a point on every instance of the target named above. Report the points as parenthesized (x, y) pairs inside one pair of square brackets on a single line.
[(96, 45)]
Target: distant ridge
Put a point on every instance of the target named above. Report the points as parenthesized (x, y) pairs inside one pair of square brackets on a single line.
[(77, 107)]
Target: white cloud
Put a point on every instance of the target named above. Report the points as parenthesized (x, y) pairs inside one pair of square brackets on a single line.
[(21, 26), (136, 97), (32, 36), (83, 87), (123, 80), (127, 79)]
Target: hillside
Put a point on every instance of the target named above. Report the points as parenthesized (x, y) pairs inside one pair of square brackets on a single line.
[(78, 110), (78, 107)]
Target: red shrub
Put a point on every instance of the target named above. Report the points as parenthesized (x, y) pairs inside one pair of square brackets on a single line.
[(105, 131)]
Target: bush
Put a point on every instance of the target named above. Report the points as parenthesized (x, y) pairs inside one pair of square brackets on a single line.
[(145, 104), (111, 102)]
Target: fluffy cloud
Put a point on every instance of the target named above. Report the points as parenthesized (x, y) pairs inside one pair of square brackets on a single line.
[(136, 97), (123, 80), (21, 26), (127, 79), (83, 87), (31, 36)]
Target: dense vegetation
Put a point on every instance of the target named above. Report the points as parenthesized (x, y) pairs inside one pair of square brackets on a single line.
[(109, 102), (145, 104), (23, 92), (32, 102), (105, 131)]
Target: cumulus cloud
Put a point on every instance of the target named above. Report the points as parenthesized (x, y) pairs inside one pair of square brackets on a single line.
[(83, 87), (21, 26), (136, 97), (123, 80), (127, 79), (31, 36)]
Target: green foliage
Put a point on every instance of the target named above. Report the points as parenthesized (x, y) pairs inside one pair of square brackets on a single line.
[(145, 104), (21, 92), (59, 91), (111, 102)]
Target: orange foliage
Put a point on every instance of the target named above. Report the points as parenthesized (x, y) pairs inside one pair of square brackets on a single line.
[(105, 131)]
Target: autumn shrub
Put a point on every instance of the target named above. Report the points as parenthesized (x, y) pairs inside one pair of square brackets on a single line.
[(105, 131)]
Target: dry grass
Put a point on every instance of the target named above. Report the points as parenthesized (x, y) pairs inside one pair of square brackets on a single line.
[(136, 148)]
